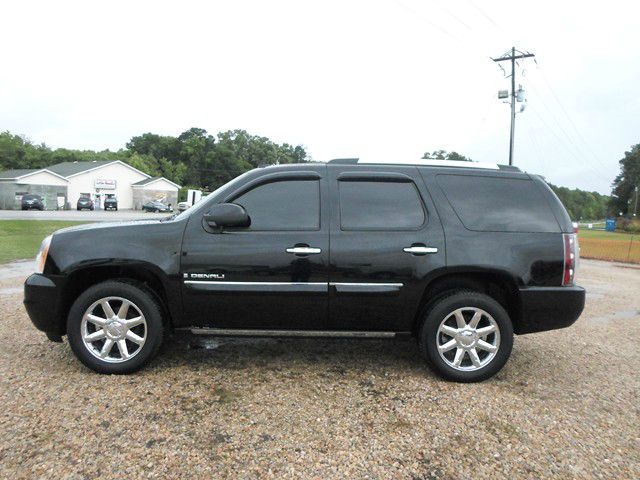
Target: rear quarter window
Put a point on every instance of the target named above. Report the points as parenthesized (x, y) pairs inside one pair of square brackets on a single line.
[(498, 204)]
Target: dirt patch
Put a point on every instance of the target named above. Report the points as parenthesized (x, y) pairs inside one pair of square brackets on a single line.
[(565, 405)]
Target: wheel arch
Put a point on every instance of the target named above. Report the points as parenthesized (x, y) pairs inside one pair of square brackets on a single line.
[(499, 285), (143, 273)]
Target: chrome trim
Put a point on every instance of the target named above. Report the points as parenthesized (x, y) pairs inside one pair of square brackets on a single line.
[(213, 282), (367, 288), (333, 284), (258, 287), (304, 287), (420, 250), (304, 250), (230, 332)]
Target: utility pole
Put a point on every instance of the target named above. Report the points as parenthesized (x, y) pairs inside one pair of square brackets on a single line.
[(635, 207), (513, 57)]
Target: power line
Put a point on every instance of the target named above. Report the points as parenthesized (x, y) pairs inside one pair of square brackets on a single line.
[(451, 14), (595, 173), (424, 19), (564, 132), (566, 113), (486, 16)]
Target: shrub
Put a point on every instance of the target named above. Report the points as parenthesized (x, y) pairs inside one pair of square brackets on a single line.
[(629, 225)]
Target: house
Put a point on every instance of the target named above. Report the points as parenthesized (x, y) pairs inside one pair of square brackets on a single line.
[(64, 183)]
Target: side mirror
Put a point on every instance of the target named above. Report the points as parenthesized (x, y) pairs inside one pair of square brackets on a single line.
[(227, 215)]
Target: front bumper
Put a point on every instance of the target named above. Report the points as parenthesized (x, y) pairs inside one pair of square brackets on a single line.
[(549, 308), (44, 303)]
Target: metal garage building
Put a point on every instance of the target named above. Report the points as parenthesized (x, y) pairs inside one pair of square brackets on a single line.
[(16, 183), (64, 183)]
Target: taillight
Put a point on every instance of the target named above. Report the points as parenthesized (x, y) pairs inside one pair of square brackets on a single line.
[(570, 258)]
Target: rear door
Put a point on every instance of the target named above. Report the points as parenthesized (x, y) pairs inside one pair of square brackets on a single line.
[(386, 240)]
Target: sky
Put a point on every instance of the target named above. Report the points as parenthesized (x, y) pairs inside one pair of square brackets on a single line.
[(369, 79)]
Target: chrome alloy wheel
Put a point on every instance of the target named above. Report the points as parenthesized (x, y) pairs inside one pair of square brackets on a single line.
[(113, 337), (468, 339)]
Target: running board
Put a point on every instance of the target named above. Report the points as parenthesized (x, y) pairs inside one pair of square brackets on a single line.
[(232, 332)]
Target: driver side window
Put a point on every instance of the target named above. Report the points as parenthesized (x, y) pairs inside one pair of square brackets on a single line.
[(283, 205)]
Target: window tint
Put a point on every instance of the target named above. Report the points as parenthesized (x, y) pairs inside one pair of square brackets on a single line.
[(379, 205), (495, 204), (285, 205)]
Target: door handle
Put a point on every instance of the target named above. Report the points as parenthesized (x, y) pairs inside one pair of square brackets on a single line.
[(419, 250), (304, 250)]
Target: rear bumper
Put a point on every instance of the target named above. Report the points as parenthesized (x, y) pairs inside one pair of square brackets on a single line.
[(549, 308), (43, 302)]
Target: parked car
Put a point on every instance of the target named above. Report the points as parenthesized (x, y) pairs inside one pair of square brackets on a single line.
[(111, 203), (458, 256), (32, 202), (182, 206), (156, 206), (85, 203)]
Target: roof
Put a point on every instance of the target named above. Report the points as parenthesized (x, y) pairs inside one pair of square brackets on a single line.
[(25, 172), (12, 174), (70, 169), (150, 180), (66, 169)]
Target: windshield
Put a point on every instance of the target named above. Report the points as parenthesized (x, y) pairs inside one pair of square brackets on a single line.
[(31, 197)]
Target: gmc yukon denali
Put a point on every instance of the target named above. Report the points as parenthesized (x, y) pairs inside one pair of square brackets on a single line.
[(457, 255)]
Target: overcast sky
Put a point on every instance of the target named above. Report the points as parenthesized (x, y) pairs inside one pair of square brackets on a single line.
[(375, 78)]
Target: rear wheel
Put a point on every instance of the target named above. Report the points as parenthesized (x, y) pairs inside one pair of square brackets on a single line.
[(115, 327), (467, 336)]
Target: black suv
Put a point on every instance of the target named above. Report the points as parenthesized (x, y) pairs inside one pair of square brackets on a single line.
[(111, 203), (457, 255)]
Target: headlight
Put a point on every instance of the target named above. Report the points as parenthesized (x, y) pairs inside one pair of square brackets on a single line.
[(41, 258)]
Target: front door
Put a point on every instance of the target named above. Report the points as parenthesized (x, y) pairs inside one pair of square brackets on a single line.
[(270, 275), (386, 241)]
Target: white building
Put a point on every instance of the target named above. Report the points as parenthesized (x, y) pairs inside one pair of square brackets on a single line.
[(64, 183)]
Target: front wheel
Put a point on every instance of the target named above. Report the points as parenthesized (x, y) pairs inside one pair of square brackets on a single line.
[(467, 336), (115, 327)]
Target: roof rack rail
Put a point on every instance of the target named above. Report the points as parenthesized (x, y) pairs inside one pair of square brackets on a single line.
[(426, 163), (344, 161)]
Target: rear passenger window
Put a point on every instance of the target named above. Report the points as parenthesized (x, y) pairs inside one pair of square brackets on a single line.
[(494, 204), (380, 206)]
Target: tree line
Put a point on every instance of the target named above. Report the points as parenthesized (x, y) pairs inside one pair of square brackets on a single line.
[(193, 158), (198, 159), (626, 186)]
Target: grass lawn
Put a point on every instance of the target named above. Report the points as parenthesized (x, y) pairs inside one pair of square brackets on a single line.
[(601, 235), (21, 238), (612, 246)]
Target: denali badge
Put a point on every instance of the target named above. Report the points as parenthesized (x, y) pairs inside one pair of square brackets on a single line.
[(204, 276)]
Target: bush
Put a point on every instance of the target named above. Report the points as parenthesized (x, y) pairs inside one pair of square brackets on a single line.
[(629, 225)]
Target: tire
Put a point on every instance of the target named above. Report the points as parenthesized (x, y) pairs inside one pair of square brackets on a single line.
[(141, 348), (468, 348)]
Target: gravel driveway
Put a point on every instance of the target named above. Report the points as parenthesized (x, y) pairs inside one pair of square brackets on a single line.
[(567, 405)]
